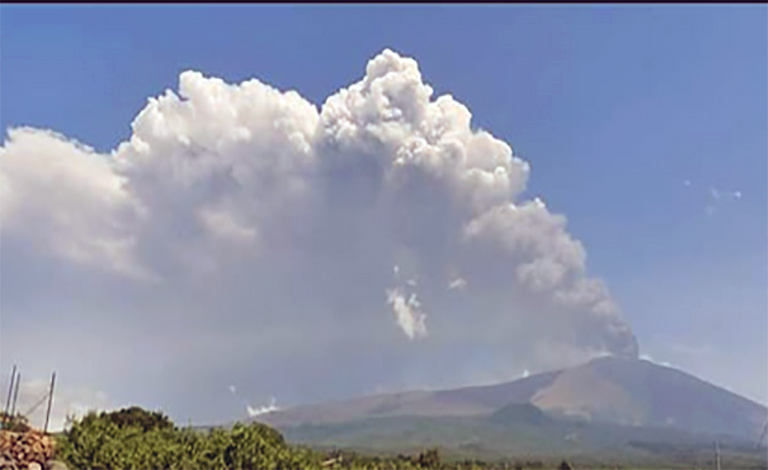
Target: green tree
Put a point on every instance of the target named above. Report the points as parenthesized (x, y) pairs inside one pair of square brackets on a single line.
[(138, 417), (429, 459)]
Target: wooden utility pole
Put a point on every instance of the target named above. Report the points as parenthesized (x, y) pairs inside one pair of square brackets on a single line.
[(10, 392), (15, 393), (50, 401)]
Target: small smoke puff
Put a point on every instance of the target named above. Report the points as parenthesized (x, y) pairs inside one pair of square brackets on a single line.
[(408, 313), (253, 412), (458, 283), (737, 194), (232, 389), (647, 357), (687, 183)]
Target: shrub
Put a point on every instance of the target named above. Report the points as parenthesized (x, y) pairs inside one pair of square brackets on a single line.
[(136, 439)]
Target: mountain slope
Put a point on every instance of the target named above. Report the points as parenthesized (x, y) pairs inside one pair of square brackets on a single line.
[(607, 390), (641, 393)]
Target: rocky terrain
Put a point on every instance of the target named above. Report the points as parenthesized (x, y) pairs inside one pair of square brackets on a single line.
[(31, 450)]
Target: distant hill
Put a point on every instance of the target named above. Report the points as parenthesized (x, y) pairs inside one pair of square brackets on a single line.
[(609, 390), (607, 406)]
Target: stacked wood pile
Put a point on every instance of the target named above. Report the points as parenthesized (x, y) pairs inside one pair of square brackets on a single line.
[(28, 450)]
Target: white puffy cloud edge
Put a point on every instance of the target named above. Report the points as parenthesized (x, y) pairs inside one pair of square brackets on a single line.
[(230, 196)]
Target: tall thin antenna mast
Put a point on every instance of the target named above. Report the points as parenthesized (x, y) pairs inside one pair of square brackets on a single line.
[(10, 392), (50, 400), (15, 393)]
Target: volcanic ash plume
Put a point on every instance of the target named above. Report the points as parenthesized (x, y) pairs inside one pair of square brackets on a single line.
[(254, 214)]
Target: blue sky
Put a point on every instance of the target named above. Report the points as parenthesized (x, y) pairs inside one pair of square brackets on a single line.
[(614, 107)]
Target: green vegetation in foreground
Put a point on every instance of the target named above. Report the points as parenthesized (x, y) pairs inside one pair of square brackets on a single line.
[(137, 439)]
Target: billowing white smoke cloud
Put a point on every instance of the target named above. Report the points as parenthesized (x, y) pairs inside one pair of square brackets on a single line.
[(59, 194), (245, 211)]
